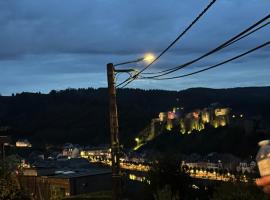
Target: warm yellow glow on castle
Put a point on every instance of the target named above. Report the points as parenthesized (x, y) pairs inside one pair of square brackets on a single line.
[(186, 122), (214, 115)]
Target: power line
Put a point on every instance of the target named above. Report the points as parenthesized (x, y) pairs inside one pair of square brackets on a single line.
[(225, 44), (239, 36), (231, 41), (166, 49), (217, 65), (255, 30)]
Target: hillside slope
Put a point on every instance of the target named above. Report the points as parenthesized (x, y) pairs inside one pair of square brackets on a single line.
[(81, 115)]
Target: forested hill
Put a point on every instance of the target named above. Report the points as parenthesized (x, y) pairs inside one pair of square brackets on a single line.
[(81, 115)]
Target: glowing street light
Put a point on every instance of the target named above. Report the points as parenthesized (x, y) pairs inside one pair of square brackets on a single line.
[(149, 57)]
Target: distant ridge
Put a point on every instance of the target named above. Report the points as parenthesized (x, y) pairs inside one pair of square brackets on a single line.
[(81, 115)]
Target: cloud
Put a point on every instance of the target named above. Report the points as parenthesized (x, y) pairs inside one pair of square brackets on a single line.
[(51, 38), (117, 27)]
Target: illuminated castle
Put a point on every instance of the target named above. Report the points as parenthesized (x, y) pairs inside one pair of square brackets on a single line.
[(214, 115)]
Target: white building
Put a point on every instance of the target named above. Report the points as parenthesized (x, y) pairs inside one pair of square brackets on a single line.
[(245, 167)]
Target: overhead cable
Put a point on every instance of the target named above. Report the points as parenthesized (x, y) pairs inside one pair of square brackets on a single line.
[(248, 31), (171, 44), (216, 65)]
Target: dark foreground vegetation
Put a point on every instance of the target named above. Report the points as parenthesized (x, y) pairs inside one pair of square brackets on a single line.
[(167, 181)]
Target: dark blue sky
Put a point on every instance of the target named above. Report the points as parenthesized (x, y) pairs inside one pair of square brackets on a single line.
[(55, 44)]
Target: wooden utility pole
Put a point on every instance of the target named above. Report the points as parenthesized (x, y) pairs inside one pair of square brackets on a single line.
[(116, 177)]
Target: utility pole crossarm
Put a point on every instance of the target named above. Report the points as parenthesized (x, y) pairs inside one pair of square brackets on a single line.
[(128, 62)]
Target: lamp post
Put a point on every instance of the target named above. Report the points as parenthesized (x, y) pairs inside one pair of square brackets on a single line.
[(114, 128), (3, 151)]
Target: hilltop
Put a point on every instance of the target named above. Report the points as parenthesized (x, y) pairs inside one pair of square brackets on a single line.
[(81, 115)]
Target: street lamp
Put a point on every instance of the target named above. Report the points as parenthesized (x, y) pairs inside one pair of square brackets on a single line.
[(149, 57), (3, 151), (114, 128)]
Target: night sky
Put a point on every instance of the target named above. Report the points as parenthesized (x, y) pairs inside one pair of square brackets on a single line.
[(56, 44)]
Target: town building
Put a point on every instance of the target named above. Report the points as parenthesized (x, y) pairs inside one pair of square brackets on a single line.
[(70, 151), (45, 184), (55, 179), (246, 167), (202, 165), (96, 154), (23, 143)]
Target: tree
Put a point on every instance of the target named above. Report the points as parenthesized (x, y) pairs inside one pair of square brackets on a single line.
[(169, 181), (238, 190), (9, 186)]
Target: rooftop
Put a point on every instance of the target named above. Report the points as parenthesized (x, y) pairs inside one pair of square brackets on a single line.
[(74, 174)]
